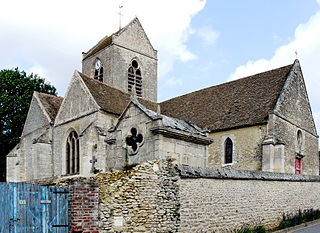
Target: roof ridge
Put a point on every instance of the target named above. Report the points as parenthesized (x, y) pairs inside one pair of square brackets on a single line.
[(50, 95), (231, 81)]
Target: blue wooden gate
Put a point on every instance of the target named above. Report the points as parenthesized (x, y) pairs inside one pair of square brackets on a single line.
[(33, 208)]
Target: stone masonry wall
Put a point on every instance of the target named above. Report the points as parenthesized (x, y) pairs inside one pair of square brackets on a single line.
[(142, 199), (247, 148), (158, 196), (222, 200)]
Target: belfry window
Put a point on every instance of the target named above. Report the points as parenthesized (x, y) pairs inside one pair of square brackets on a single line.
[(135, 78), (72, 154), (98, 70), (228, 151)]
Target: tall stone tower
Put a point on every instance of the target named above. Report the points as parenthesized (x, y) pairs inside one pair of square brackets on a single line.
[(125, 60)]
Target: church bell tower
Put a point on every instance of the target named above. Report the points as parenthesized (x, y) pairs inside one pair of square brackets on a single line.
[(125, 60)]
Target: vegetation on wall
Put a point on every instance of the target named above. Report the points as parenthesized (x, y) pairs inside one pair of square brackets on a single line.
[(299, 218), (16, 90), (258, 229)]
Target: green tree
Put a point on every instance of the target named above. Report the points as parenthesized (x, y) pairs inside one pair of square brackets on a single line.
[(16, 90)]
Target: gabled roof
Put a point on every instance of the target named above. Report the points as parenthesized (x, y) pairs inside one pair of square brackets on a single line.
[(239, 103), (110, 99), (50, 103), (107, 40), (104, 42), (170, 127)]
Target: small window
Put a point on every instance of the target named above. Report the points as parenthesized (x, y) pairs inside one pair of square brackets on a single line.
[(298, 166), (299, 141), (98, 72), (135, 78), (228, 150), (72, 154), (134, 140)]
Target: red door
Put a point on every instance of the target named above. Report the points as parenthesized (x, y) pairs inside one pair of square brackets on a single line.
[(298, 166)]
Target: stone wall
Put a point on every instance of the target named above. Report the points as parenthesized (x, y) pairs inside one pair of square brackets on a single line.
[(143, 199), (91, 130), (153, 146), (292, 113), (158, 196), (286, 131), (222, 200), (247, 150)]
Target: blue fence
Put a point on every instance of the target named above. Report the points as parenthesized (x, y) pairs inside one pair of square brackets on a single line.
[(26, 208)]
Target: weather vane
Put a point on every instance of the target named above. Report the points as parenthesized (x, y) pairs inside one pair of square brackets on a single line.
[(296, 53), (120, 7)]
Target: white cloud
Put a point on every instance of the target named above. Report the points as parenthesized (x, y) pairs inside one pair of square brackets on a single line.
[(52, 35), (208, 35), (306, 42), (173, 81)]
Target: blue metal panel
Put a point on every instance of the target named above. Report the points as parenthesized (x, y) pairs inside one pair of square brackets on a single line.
[(27, 208)]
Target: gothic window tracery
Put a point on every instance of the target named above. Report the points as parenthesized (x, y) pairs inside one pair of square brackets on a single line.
[(98, 72), (228, 150), (134, 141), (135, 78), (72, 154)]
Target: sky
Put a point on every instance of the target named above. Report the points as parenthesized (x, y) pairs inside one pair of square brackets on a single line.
[(200, 43)]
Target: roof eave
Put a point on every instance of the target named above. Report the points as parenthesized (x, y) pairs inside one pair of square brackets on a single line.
[(172, 133)]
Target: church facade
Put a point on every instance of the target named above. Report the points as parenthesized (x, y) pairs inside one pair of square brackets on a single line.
[(109, 118)]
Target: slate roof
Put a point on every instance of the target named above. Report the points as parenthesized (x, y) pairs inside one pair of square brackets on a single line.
[(239, 103), (110, 99), (50, 103)]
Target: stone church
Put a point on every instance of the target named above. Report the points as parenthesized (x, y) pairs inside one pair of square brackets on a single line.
[(109, 118)]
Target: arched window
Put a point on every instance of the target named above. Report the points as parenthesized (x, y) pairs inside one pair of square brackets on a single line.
[(135, 78), (299, 141), (72, 154), (98, 70), (228, 151)]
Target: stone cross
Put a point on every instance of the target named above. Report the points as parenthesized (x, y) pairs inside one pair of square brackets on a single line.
[(93, 161)]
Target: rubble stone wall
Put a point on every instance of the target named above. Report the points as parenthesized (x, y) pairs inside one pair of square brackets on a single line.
[(142, 199)]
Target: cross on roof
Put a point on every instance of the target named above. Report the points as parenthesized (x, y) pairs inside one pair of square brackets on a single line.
[(120, 7)]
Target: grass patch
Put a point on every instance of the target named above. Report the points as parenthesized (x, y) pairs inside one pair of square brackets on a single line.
[(257, 229)]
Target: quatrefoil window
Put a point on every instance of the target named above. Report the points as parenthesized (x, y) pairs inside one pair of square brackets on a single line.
[(134, 140)]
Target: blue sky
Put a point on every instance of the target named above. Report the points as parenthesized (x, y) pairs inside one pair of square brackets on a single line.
[(200, 43), (248, 30)]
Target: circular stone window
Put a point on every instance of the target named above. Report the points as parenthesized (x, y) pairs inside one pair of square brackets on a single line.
[(134, 141)]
